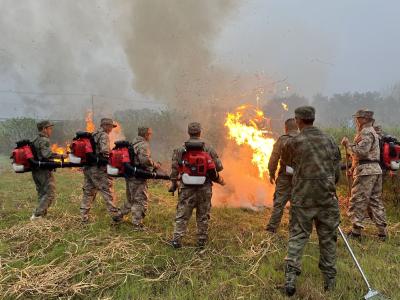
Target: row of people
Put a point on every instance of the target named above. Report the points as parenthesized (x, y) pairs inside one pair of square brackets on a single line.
[(96, 180)]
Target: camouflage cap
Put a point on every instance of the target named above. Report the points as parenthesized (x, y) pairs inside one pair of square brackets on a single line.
[(44, 124), (305, 113), (107, 121), (364, 113), (194, 128)]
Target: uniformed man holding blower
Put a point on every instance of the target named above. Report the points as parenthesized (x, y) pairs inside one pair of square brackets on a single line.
[(195, 166), (44, 178), (96, 178), (366, 191)]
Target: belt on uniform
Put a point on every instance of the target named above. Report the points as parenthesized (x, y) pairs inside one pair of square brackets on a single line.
[(367, 161)]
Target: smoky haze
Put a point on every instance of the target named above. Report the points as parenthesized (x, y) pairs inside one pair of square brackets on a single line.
[(189, 55)]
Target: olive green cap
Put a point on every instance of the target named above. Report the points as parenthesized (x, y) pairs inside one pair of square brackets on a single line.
[(305, 113)]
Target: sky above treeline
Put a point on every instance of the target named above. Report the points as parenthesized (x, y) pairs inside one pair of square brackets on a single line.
[(64, 47)]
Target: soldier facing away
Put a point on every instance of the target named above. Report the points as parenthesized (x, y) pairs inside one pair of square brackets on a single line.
[(366, 191), (196, 195), (96, 178), (136, 188), (44, 178), (315, 158), (283, 188)]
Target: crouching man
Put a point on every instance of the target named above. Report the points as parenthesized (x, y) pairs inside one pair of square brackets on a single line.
[(195, 166)]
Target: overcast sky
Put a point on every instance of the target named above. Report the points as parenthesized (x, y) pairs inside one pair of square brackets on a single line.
[(317, 46), (321, 46)]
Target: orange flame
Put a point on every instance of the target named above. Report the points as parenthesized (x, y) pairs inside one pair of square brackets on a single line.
[(285, 106), (90, 127), (55, 148), (248, 132)]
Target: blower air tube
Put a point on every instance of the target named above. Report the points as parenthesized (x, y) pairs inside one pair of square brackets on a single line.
[(131, 171), (51, 164)]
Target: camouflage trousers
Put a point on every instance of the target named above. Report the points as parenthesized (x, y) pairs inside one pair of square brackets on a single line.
[(366, 198), (45, 187), (190, 198), (97, 180), (283, 191), (326, 220), (136, 199)]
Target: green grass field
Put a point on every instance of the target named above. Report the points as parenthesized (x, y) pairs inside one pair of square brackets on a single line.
[(60, 258)]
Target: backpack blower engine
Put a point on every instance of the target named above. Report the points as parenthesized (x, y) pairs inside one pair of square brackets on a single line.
[(121, 160), (83, 149), (196, 165), (390, 153), (24, 159)]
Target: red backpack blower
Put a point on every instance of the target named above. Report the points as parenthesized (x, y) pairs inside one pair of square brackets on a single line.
[(196, 165), (121, 163), (82, 149), (390, 153), (24, 159)]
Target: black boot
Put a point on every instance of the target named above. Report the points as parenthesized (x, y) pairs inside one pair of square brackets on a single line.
[(329, 283), (176, 243), (201, 243), (290, 281)]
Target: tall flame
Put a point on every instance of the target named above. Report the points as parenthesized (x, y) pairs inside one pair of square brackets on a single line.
[(248, 132), (90, 127), (285, 106)]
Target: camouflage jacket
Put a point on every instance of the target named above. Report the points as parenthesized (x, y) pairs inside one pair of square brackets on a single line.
[(365, 152), (276, 155), (315, 158), (42, 148), (102, 142), (177, 158), (143, 154)]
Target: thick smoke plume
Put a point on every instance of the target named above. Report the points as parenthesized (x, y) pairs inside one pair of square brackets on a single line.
[(169, 46)]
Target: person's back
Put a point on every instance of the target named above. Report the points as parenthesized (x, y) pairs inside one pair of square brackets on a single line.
[(315, 161), (283, 184), (136, 188), (197, 194), (315, 158)]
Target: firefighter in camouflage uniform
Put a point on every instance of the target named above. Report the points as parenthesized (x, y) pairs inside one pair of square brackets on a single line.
[(283, 188), (193, 196), (44, 178), (96, 178), (137, 195), (315, 158)]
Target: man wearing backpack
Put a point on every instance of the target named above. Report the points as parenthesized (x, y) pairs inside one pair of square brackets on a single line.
[(366, 191), (137, 195), (197, 191), (283, 188), (44, 178), (96, 178)]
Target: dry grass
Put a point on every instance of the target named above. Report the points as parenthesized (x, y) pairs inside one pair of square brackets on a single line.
[(58, 257)]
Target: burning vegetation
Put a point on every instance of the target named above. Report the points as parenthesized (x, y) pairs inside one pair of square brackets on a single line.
[(248, 126)]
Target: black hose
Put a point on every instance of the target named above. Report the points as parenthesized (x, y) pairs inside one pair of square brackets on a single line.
[(131, 171)]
